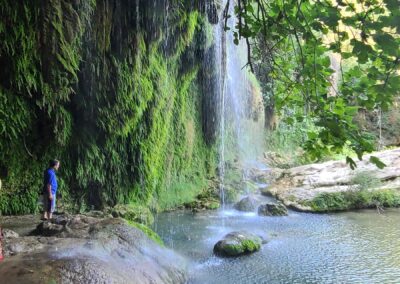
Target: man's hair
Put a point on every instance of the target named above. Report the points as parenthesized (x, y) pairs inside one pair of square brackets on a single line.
[(52, 163)]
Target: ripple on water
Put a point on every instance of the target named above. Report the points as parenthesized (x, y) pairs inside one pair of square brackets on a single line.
[(352, 247)]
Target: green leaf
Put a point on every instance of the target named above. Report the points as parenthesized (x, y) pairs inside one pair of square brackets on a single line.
[(377, 162), (351, 163), (387, 43)]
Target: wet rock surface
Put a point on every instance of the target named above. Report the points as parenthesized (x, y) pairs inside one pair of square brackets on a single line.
[(82, 249), (272, 209), (297, 187), (247, 204), (237, 243)]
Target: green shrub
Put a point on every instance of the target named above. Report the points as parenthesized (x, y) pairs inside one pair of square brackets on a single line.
[(365, 180), (386, 198), (354, 199)]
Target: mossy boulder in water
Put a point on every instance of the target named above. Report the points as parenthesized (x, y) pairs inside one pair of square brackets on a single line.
[(272, 209), (207, 200), (247, 204), (237, 243)]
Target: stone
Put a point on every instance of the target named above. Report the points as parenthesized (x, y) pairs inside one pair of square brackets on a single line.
[(48, 229), (272, 209), (9, 234), (247, 204), (237, 243)]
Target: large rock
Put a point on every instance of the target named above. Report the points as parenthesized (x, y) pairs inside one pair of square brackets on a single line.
[(299, 187), (237, 243), (89, 250), (272, 209), (247, 204)]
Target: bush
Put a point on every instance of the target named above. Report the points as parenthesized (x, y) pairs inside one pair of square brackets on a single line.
[(354, 199), (366, 180)]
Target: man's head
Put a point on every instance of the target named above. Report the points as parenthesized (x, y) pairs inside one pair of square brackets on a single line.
[(55, 164)]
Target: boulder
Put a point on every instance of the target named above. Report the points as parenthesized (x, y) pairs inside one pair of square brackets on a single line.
[(237, 243), (247, 204), (272, 209)]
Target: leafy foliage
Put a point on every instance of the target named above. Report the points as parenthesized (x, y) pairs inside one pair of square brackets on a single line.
[(293, 40)]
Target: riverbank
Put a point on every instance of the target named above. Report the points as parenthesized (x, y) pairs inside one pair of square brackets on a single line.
[(334, 186), (84, 249)]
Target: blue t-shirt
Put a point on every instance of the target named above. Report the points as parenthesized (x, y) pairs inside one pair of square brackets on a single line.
[(50, 178)]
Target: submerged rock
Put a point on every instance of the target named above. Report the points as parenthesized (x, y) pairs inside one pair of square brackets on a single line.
[(247, 204), (272, 209), (237, 243), (83, 249)]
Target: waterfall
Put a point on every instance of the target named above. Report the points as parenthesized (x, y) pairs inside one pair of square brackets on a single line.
[(240, 105)]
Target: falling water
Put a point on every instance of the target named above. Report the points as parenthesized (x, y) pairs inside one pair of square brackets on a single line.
[(240, 106), (220, 59)]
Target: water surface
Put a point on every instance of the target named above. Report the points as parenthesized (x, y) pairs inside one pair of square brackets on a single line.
[(351, 247)]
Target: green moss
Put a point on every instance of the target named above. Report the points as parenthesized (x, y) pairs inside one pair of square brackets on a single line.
[(133, 212), (178, 194), (149, 232), (214, 204), (122, 114), (207, 199), (251, 245), (354, 200), (237, 245), (234, 249)]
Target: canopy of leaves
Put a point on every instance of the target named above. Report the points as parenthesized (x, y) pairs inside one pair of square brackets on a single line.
[(292, 41)]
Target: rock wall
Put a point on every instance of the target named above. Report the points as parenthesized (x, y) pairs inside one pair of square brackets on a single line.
[(115, 89)]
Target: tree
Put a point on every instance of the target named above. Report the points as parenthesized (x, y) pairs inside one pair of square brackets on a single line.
[(294, 39)]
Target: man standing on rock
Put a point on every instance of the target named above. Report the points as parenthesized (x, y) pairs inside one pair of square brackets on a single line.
[(50, 189)]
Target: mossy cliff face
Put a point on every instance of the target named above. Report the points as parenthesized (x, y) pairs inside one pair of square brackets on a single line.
[(112, 88)]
